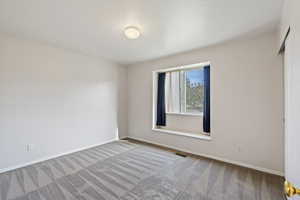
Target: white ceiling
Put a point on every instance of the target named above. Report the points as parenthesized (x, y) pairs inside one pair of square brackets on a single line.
[(168, 26)]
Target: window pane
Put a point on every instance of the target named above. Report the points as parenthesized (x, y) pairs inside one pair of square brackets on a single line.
[(194, 91)]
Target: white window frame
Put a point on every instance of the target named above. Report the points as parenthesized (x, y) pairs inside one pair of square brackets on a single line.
[(155, 73)]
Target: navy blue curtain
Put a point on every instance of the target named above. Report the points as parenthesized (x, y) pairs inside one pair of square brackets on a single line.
[(161, 105), (206, 103)]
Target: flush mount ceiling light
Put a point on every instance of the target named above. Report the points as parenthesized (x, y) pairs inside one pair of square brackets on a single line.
[(132, 32)]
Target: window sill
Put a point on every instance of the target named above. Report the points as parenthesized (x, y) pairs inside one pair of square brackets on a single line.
[(186, 114), (192, 135)]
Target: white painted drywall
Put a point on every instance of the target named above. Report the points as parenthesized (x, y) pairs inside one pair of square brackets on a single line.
[(290, 18), (246, 102), (167, 26), (57, 101), (122, 102), (184, 123)]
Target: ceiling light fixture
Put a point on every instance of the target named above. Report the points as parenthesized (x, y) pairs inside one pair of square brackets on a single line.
[(132, 32)]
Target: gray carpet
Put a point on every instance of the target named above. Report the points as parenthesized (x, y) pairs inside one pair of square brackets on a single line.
[(127, 171)]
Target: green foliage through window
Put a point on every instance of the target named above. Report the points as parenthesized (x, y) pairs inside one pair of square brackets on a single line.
[(194, 91)]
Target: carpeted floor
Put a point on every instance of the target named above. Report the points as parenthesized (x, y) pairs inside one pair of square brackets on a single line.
[(127, 171)]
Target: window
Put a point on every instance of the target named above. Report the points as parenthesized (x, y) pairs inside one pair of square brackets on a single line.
[(184, 91), (181, 100)]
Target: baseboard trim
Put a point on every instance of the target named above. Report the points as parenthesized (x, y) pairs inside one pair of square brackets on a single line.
[(262, 169), (123, 138), (54, 156)]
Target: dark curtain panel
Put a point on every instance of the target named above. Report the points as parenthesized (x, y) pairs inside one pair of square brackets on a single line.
[(161, 105), (206, 103)]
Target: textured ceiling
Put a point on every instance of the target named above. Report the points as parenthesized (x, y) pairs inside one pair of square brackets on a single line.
[(95, 27)]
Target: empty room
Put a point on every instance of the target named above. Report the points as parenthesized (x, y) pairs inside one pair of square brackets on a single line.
[(149, 100)]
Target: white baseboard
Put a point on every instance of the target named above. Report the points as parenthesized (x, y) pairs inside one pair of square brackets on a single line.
[(262, 169), (52, 157)]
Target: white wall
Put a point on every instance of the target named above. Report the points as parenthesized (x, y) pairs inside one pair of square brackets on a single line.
[(290, 18), (57, 101), (122, 80), (246, 102), (184, 123)]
